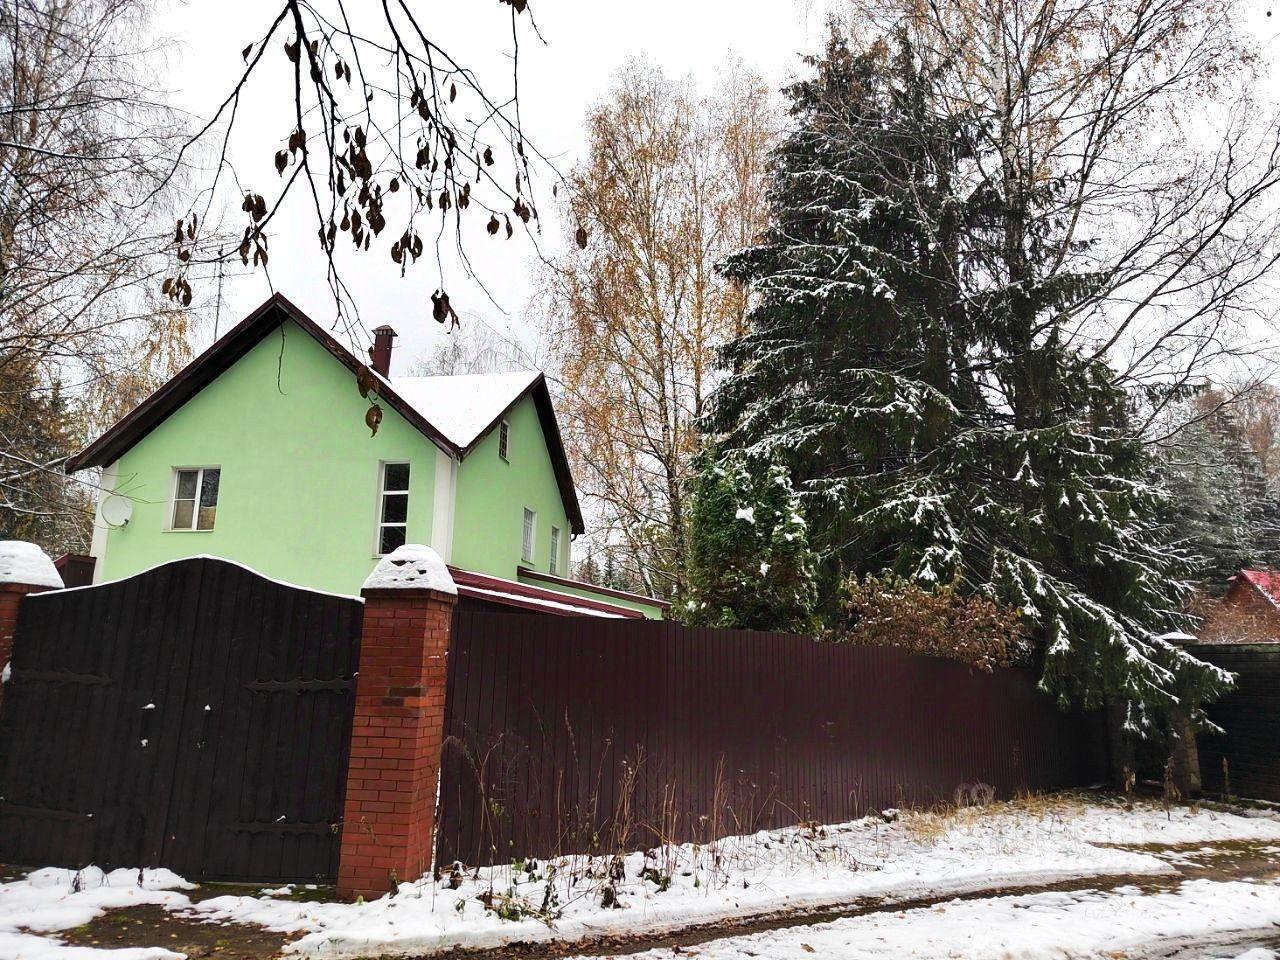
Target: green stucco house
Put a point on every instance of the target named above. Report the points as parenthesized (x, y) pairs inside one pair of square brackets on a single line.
[(258, 452)]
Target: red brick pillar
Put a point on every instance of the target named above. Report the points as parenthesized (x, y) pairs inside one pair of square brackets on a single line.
[(389, 815), (24, 568)]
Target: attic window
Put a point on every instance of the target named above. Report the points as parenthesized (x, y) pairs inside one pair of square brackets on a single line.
[(504, 429), (393, 507), (195, 498), (554, 567)]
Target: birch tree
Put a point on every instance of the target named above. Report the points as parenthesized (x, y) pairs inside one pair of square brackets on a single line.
[(84, 142), (671, 181)]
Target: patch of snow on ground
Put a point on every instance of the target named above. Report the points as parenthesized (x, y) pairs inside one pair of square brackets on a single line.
[(1107, 824), (50, 900), (1042, 926), (776, 870)]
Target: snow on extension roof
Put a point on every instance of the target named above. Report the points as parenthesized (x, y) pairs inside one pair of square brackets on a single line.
[(463, 406), (22, 562)]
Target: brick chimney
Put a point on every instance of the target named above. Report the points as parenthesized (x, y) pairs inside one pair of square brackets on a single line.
[(380, 352)]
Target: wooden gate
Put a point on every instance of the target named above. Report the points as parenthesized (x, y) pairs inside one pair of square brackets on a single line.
[(196, 716), (1250, 720)]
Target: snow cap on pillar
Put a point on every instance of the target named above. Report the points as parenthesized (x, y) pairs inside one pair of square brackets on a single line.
[(22, 562), (412, 567)]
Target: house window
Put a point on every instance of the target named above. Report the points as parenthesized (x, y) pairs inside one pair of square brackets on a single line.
[(530, 523), (555, 550), (195, 498), (393, 507), (504, 430)]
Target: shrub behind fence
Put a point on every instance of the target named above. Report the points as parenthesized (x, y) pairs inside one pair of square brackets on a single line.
[(584, 735)]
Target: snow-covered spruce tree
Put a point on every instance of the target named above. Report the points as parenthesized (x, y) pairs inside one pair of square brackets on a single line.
[(749, 559), (904, 361), (1220, 501)]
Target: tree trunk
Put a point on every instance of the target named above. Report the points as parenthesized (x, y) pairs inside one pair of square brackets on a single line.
[(1184, 753), (1119, 743)]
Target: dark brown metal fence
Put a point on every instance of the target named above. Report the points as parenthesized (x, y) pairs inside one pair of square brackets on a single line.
[(196, 716), (580, 734), (1250, 717)]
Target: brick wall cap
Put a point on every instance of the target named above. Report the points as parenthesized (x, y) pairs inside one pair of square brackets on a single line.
[(402, 593), (25, 564)]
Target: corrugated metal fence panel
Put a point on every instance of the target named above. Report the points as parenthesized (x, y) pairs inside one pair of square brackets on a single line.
[(580, 734), (1250, 717)]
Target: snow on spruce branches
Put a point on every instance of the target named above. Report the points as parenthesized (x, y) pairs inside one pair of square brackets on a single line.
[(914, 360)]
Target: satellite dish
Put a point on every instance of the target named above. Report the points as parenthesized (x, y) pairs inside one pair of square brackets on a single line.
[(116, 510)]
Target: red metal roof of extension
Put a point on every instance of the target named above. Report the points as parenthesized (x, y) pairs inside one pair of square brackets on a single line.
[(1267, 581), (509, 593)]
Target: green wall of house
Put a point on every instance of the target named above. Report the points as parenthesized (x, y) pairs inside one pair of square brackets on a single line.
[(299, 484), (492, 493), (298, 497)]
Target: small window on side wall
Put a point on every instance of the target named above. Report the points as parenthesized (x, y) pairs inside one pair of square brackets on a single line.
[(393, 506), (195, 498), (526, 547), (554, 566), (504, 433)]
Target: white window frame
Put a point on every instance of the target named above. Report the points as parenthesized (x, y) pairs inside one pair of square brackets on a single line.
[(199, 470), (378, 524), (504, 441), (528, 535), (553, 567)]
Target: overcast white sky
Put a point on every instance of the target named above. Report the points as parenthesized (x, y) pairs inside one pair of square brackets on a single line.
[(586, 40)]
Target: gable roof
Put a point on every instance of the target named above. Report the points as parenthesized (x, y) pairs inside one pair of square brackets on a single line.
[(1267, 582), (475, 401), (472, 409)]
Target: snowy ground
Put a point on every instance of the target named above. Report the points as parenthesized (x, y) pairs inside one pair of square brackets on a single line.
[(1124, 922), (870, 861), (51, 900)]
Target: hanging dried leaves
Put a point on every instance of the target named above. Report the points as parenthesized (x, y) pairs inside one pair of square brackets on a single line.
[(385, 157), (373, 418), (441, 309)]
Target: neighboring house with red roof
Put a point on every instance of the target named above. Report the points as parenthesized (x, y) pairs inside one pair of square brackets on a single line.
[(264, 451), (1249, 612)]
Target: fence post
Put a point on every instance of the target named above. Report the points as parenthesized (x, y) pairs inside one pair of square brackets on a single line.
[(24, 568), (398, 730)]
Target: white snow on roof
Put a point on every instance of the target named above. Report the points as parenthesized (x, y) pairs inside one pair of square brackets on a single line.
[(22, 562), (411, 567), (461, 406), (501, 595)]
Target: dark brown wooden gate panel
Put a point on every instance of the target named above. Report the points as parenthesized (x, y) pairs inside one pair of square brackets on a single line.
[(196, 716), (1250, 718), (559, 727)]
